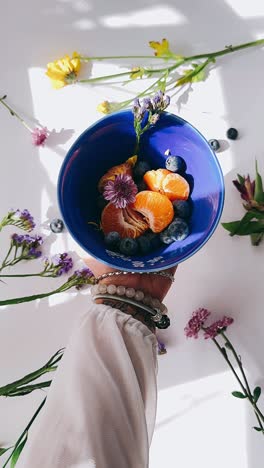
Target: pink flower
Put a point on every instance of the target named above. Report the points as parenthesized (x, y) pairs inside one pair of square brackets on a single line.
[(213, 330), (195, 324), (39, 136), (121, 191)]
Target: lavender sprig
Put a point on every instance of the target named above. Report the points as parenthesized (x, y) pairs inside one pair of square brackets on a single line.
[(79, 279), (22, 247), (21, 219), (150, 109)]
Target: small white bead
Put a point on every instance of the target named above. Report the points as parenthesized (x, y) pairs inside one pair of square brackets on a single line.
[(147, 299), (120, 290), (111, 289), (130, 292), (102, 288), (163, 309), (155, 302), (93, 290), (139, 296)]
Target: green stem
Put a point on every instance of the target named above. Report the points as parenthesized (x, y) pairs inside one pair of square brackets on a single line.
[(26, 389), (250, 396), (226, 50), (25, 275), (13, 113), (20, 300), (6, 257), (120, 57), (25, 431), (106, 77), (230, 365)]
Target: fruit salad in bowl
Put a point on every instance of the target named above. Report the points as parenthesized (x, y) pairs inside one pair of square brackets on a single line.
[(141, 190)]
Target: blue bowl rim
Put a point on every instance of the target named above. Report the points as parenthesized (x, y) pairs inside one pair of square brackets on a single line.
[(150, 268)]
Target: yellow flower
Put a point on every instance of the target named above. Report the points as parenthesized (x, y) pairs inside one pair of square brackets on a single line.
[(104, 107), (136, 72), (162, 49), (64, 71)]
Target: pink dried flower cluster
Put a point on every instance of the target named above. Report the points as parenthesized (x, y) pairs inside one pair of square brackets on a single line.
[(39, 136), (213, 330), (197, 321)]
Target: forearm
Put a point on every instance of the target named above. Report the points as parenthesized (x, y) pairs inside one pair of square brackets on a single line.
[(102, 403)]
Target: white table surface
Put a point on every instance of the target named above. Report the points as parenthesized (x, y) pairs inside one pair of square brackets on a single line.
[(198, 422)]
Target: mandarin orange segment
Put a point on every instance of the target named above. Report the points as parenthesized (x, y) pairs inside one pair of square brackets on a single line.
[(156, 208), (126, 221), (154, 179), (175, 187)]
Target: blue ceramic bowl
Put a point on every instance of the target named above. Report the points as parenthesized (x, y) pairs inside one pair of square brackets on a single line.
[(111, 141)]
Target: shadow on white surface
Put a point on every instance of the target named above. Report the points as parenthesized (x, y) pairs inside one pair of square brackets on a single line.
[(226, 276)]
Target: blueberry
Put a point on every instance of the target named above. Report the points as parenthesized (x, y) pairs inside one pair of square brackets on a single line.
[(112, 240), (154, 240), (141, 168), (128, 246), (175, 164), (232, 133), (144, 244), (165, 237), (56, 225), (182, 208), (178, 230), (141, 185), (215, 145)]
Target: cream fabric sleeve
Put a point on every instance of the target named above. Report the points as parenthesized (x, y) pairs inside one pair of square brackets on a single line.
[(101, 406)]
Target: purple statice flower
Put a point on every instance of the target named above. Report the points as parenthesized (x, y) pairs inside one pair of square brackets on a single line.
[(160, 101), (21, 219), (29, 245), (121, 191), (161, 347), (60, 264), (82, 277), (196, 322), (213, 330), (39, 136), (147, 104)]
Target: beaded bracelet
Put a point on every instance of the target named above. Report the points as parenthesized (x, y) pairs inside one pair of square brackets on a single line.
[(160, 321), (130, 293), (164, 274)]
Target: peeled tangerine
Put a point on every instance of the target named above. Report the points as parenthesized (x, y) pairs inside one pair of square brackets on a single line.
[(174, 186), (156, 208), (126, 221), (125, 168)]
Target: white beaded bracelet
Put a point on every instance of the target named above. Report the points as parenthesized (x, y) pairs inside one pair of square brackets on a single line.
[(129, 293)]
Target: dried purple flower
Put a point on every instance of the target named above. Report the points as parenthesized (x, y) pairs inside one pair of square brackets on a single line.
[(196, 322), (60, 264), (154, 118), (213, 330), (21, 219), (246, 187), (121, 191), (29, 245), (147, 104), (82, 277), (39, 136), (161, 347), (160, 101)]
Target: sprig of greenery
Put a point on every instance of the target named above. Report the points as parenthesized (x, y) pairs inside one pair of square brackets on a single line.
[(252, 223), (193, 68)]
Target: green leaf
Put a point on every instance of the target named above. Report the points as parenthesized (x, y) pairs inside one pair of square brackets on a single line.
[(17, 452), (4, 450), (259, 194), (241, 179), (256, 394), (239, 395), (200, 76), (257, 429)]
